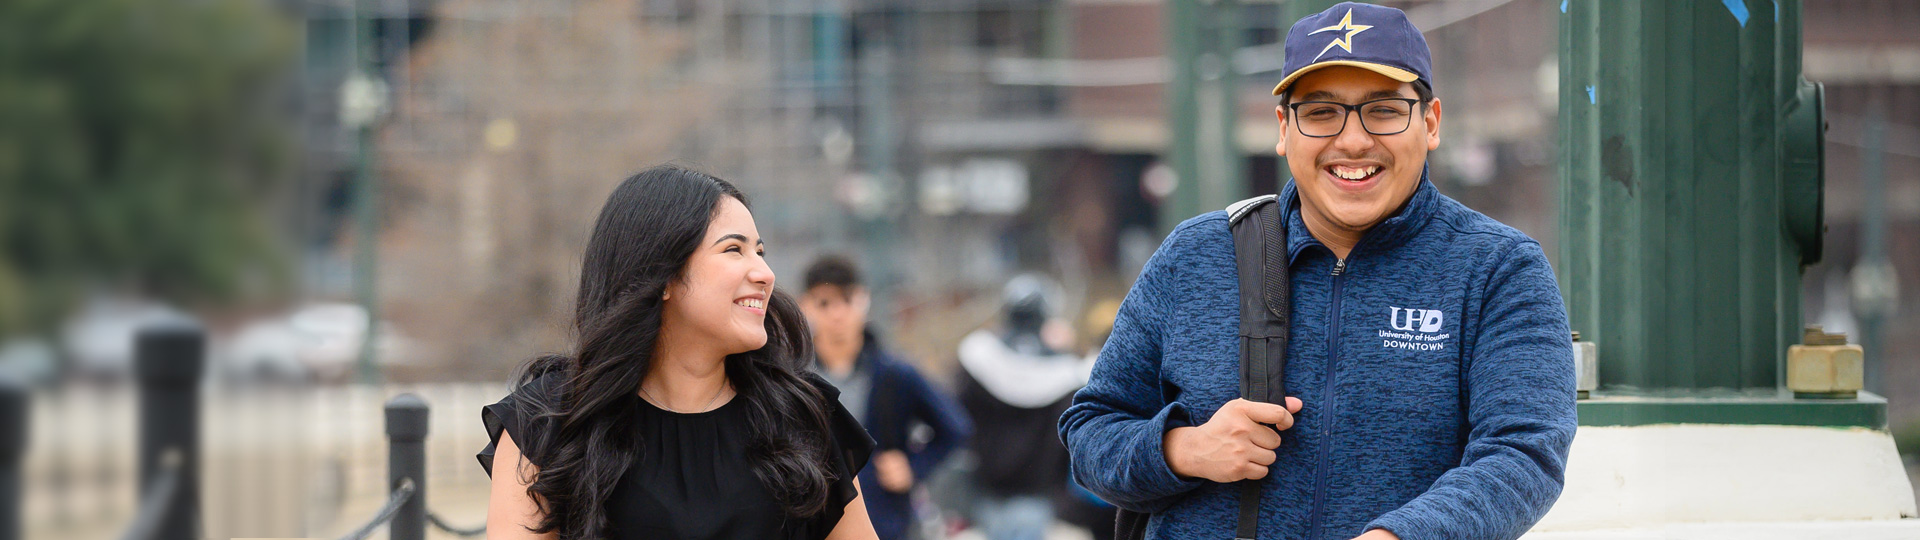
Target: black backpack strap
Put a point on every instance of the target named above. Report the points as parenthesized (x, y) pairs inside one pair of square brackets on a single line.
[(1259, 250), (1130, 525)]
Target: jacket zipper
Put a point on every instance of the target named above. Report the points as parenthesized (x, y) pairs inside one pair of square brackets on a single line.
[(1326, 397)]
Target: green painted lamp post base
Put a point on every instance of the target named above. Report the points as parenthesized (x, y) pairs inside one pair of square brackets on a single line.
[(1781, 409)]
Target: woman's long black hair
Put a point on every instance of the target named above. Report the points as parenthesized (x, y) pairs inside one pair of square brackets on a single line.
[(651, 225)]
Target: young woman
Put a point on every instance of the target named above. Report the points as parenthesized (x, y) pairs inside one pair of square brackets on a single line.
[(684, 411)]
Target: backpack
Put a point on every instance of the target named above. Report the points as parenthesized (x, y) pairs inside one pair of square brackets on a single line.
[(1259, 253)]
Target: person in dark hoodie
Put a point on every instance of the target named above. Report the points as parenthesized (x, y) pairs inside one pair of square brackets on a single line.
[(888, 395), (1015, 385)]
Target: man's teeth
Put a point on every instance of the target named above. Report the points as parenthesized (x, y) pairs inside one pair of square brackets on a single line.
[(756, 304), (1353, 173)]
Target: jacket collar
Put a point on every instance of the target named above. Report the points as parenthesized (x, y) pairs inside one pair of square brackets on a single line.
[(870, 349), (1391, 233)]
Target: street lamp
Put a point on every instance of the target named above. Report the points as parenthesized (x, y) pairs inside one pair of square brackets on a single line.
[(363, 100)]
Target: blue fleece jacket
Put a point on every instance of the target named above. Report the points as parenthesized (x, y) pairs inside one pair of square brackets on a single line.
[(1435, 367)]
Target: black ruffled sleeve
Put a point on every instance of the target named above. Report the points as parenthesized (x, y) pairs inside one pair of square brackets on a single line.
[(850, 448), (514, 414)]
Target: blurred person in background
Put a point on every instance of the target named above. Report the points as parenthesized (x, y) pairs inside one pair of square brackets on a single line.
[(887, 394), (1015, 381), (685, 411), (1429, 347)]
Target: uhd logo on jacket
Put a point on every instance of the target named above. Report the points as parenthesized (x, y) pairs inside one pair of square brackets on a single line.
[(1424, 320), (1406, 321)]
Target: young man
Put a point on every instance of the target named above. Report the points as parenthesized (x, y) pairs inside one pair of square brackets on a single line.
[(887, 395), (1430, 369)]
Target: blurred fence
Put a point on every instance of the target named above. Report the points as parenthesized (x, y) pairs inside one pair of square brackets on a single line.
[(272, 461)]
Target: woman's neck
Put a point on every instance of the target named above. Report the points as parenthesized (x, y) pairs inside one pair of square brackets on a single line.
[(683, 380)]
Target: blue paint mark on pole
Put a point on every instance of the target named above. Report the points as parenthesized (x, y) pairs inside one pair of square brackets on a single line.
[(1563, 6), (1739, 9), (1593, 98)]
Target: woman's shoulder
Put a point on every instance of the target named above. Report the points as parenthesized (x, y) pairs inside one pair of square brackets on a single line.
[(544, 387), (524, 414), (820, 384), (843, 430), (849, 448)]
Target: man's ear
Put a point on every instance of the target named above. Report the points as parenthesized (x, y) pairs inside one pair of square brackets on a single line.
[(1280, 111), (1433, 124)]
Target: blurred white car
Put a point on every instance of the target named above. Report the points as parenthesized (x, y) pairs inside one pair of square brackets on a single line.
[(99, 338), (321, 340)]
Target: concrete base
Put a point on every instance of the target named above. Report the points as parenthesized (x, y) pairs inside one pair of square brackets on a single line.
[(1646, 478), (1757, 408)]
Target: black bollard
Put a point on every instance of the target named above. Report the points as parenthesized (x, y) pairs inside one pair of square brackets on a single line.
[(407, 458), (168, 360), (13, 447)]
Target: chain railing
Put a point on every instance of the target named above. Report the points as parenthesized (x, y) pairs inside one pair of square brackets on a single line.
[(157, 498), (400, 497), (406, 510), (456, 531), (169, 361)]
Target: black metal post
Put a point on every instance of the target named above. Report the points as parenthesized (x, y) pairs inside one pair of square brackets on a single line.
[(13, 447), (407, 458), (168, 360)]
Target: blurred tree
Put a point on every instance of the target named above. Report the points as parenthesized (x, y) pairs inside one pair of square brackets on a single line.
[(139, 142)]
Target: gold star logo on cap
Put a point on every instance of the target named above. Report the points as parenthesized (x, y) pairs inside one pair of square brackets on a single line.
[(1344, 42)]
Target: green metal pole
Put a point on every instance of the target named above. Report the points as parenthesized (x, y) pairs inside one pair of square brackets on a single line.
[(1874, 291), (365, 211), (1202, 107), (365, 263), (877, 128), (1691, 190)]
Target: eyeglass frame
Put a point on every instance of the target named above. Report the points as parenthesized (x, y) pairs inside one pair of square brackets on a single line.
[(1349, 110)]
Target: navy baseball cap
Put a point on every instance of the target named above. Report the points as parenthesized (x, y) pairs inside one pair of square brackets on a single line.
[(1376, 38)]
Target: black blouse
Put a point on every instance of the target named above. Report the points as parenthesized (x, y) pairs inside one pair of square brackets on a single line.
[(692, 479)]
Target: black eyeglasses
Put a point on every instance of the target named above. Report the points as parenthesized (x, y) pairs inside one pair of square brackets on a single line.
[(1321, 119)]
